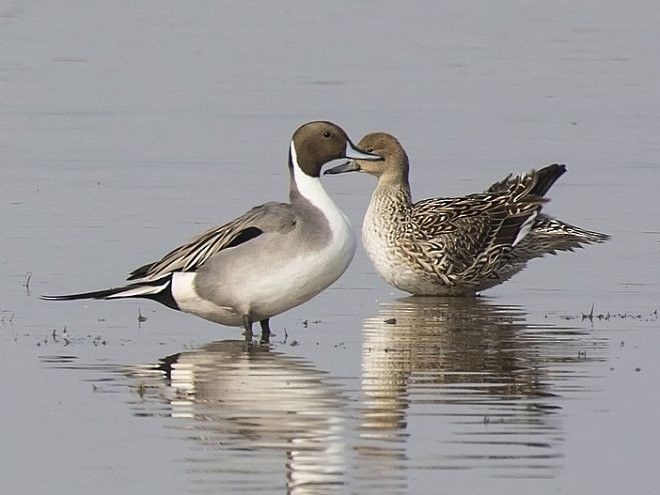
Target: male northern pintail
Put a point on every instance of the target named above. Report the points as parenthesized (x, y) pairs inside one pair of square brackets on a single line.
[(456, 246), (267, 261)]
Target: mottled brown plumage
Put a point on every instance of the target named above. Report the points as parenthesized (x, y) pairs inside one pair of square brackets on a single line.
[(456, 246)]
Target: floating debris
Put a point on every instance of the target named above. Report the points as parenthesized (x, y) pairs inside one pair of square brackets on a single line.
[(141, 318), (26, 284), (591, 316)]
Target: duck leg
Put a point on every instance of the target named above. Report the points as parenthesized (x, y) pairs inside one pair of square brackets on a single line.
[(247, 324), (265, 331)]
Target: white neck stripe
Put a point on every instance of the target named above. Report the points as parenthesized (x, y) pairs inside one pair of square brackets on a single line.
[(312, 190), (310, 187)]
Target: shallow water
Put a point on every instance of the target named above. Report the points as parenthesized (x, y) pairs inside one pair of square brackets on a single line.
[(126, 129)]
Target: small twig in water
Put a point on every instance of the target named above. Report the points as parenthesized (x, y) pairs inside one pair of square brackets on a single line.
[(26, 284)]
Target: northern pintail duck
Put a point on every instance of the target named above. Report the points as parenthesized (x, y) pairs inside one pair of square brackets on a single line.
[(456, 246), (267, 261)]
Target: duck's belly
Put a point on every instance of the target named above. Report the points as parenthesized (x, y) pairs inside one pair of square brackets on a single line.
[(262, 288), (293, 283)]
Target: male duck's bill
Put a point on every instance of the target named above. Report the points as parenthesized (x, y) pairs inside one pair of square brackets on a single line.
[(272, 258), (342, 168)]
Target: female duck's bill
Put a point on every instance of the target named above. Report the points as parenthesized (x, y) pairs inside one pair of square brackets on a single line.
[(342, 168)]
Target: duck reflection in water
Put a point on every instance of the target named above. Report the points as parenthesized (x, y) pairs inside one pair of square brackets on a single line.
[(246, 404), (477, 378)]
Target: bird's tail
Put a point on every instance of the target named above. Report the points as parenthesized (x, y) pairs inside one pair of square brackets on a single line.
[(158, 290), (549, 235), (543, 178), (546, 177), (565, 235)]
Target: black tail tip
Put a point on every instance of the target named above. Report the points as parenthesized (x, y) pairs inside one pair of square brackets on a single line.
[(48, 297)]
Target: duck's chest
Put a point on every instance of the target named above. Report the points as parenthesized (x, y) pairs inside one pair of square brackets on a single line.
[(383, 231)]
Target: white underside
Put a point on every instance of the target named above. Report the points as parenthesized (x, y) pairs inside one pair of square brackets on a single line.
[(264, 295), (189, 301)]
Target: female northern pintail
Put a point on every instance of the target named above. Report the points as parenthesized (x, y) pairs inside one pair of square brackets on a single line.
[(456, 246), (267, 261)]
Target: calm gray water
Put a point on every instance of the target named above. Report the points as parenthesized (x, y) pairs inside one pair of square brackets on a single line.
[(127, 127)]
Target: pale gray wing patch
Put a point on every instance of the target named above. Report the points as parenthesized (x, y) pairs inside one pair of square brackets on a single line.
[(270, 217)]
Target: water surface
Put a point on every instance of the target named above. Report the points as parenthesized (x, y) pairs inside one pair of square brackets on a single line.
[(127, 128)]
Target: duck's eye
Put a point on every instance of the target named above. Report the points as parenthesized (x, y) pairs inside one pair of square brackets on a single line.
[(327, 134), (370, 149)]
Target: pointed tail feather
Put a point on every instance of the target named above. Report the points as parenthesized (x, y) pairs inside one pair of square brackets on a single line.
[(528, 190), (549, 235), (548, 227), (545, 178), (158, 290)]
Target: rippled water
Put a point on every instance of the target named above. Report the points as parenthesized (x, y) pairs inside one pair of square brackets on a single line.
[(481, 372), (274, 413), (444, 386), (127, 128)]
